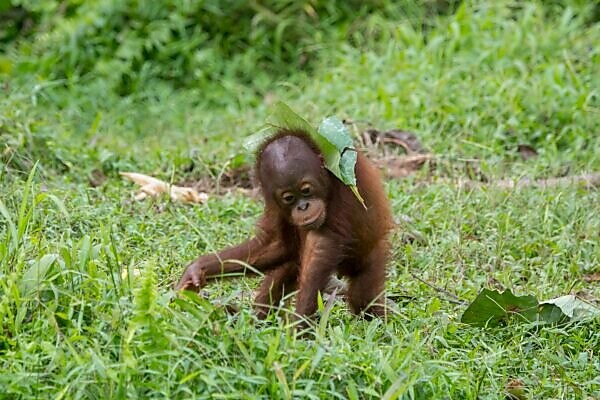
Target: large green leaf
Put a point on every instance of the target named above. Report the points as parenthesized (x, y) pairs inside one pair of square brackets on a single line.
[(344, 163), (334, 131), (283, 117), (491, 307)]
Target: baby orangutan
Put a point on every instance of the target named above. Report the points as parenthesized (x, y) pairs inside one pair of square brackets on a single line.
[(313, 227)]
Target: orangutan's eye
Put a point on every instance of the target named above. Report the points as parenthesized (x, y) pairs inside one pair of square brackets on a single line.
[(288, 198), (306, 189)]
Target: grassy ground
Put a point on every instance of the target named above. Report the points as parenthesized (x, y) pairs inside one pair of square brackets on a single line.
[(473, 87)]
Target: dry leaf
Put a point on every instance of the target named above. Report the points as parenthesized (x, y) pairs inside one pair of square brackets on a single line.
[(154, 187)]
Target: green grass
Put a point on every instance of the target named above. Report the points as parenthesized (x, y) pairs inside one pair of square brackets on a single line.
[(472, 85)]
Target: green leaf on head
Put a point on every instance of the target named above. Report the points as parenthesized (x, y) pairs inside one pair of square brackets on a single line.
[(332, 138)]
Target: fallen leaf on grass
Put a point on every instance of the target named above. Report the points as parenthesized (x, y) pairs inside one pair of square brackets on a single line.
[(572, 307), (151, 186), (491, 308)]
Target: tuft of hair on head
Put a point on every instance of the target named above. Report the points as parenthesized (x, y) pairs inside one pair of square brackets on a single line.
[(283, 132)]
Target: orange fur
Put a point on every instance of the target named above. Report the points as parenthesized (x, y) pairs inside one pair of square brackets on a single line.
[(347, 240)]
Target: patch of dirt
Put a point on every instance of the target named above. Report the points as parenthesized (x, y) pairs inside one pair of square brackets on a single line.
[(406, 140), (586, 296), (382, 147), (202, 184), (594, 277), (587, 181), (402, 166), (399, 154), (240, 177)]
